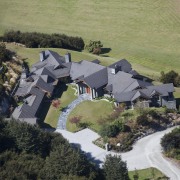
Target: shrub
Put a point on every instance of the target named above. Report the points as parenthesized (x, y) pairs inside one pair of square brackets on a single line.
[(109, 131), (35, 40), (142, 120), (75, 120)]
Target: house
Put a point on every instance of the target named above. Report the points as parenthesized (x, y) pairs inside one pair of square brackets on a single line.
[(118, 81)]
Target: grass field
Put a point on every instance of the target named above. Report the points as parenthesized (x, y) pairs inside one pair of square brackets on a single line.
[(89, 113), (150, 173), (144, 32)]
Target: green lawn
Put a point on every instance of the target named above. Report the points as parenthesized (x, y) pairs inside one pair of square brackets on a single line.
[(144, 32), (53, 114), (90, 111), (151, 173)]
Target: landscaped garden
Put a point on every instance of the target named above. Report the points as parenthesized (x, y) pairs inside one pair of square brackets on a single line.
[(89, 113)]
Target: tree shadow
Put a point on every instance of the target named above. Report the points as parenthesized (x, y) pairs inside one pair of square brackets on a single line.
[(104, 55), (105, 50)]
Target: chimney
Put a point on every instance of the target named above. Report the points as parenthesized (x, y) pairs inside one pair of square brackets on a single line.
[(115, 69), (67, 57), (42, 56)]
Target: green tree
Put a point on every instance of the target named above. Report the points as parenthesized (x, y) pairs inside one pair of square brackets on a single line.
[(20, 166), (94, 47), (115, 169), (170, 77), (171, 143), (67, 161), (4, 53)]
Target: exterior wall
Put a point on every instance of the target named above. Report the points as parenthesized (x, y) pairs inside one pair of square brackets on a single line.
[(83, 88), (170, 103)]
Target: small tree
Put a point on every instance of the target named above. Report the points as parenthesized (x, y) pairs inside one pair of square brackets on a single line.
[(94, 47), (56, 103), (170, 77), (114, 168), (75, 120)]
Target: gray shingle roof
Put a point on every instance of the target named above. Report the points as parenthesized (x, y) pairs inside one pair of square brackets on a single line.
[(31, 106), (161, 90), (84, 68), (124, 64), (98, 79), (96, 61), (40, 83)]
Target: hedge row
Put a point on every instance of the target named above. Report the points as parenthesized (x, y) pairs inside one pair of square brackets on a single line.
[(35, 40)]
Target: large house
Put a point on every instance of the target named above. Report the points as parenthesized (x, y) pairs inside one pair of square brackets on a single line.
[(118, 81)]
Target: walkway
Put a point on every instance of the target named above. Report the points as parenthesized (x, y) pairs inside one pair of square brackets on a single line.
[(65, 113), (146, 152)]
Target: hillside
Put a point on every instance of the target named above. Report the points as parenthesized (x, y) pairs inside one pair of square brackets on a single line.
[(144, 32)]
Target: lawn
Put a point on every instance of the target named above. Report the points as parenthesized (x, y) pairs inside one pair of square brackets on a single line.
[(150, 173), (53, 114), (90, 111), (144, 32)]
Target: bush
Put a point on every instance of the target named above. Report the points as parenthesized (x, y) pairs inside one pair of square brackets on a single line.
[(109, 131), (35, 40), (142, 120)]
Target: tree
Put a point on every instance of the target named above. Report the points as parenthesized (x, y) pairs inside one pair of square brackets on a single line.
[(4, 53), (115, 169), (75, 119), (170, 77), (56, 103), (67, 161), (171, 143), (94, 47)]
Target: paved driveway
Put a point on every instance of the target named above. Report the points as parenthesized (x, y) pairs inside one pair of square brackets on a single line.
[(146, 152)]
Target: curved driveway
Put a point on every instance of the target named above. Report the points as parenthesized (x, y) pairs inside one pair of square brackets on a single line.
[(146, 152)]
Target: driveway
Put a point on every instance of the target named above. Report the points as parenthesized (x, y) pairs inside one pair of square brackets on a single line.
[(146, 152)]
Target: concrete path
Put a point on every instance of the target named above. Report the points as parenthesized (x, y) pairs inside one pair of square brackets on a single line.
[(146, 152), (65, 113)]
